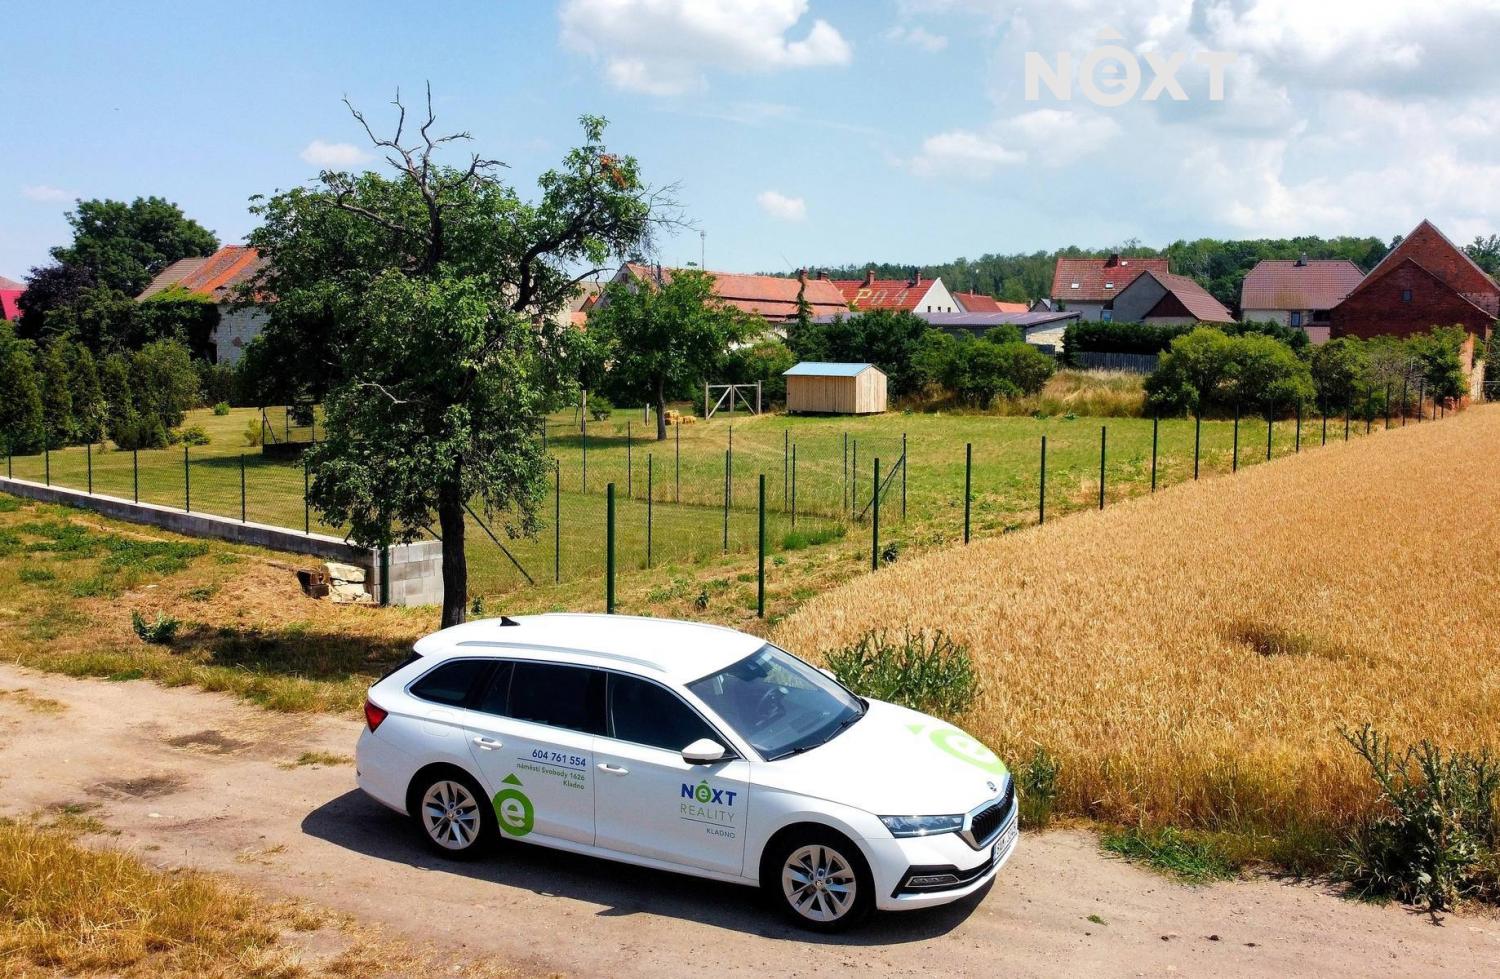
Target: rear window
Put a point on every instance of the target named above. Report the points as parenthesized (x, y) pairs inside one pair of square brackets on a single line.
[(451, 683), (570, 697)]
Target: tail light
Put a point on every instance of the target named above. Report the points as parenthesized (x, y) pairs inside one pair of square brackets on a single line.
[(374, 715)]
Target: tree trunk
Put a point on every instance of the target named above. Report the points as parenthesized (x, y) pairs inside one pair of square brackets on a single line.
[(661, 409), (455, 567)]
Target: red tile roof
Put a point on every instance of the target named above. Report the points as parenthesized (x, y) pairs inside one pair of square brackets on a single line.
[(872, 293), (1099, 279), (978, 302), (215, 276), (1194, 298), (10, 292), (771, 296), (1293, 285)]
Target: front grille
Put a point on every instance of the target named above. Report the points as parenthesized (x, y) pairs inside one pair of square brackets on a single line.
[(986, 824)]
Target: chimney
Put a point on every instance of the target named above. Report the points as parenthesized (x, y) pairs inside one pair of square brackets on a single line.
[(916, 276), (1302, 261), (1113, 261), (802, 275), (823, 274), (869, 277)]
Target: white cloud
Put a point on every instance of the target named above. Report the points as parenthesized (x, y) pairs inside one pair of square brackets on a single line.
[(333, 155), (1047, 137), (781, 207), (47, 194), (666, 47), (963, 153), (918, 37)]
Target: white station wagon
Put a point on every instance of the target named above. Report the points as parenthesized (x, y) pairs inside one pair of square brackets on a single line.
[(685, 747)]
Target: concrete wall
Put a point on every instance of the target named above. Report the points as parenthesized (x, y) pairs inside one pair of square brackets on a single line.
[(416, 570), (1092, 312), (237, 327)]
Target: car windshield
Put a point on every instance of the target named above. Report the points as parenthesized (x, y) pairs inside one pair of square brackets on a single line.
[(778, 703)]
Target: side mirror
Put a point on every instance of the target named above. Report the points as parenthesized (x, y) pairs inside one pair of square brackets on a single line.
[(704, 751), (828, 673)]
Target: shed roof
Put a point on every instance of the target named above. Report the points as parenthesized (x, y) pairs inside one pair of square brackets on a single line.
[(819, 368)]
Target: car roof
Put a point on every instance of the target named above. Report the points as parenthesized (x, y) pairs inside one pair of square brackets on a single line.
[(668, 648)]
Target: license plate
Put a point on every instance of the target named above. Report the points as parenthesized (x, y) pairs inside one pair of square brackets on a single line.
[(1003, 843)]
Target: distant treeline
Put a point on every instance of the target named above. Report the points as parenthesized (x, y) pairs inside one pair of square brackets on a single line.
[(1219, 266)]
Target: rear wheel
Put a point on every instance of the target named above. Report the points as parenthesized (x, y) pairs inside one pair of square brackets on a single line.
[(821, 880), (453, 815)]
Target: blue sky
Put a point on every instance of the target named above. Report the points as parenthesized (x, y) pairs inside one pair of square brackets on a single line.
[(800, 131)]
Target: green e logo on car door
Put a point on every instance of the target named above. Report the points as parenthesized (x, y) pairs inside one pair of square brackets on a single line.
[(513, 810)]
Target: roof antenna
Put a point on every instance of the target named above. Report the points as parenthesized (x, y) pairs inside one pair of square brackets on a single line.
[(507, 620)]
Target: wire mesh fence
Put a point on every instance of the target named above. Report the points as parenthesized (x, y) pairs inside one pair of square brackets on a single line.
[(694, 497)]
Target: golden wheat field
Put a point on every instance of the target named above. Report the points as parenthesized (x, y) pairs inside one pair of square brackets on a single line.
[(1189, 656)]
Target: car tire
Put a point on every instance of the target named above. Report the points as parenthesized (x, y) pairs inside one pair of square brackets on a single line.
[(452, 814), (819, 879)]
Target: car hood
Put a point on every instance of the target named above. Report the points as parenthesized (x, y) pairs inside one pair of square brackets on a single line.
[(894, 762)]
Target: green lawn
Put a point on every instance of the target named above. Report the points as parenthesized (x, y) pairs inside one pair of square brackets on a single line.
[(686, 523)]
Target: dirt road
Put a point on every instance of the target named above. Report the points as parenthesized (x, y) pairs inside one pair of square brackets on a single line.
[(197, 779)]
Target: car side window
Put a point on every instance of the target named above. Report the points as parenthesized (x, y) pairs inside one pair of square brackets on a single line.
[(644, 713), (570, 697), (495, 697), (452, 683)]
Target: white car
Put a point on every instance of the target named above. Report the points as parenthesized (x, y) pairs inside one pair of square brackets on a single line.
[(685, 747)]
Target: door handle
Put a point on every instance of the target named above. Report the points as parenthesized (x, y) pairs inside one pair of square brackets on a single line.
[(605, 766), (486, 744)]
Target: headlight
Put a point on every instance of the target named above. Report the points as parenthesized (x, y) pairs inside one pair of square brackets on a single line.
[(904, 826)]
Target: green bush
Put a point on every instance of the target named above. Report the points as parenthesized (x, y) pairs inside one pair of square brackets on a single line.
[(1036, 779), (217, 383), (191, 435), (255, 432), (1438, 839), (20, 394), (977, 370), (600, 407), (160, 631), (133, 431), (1208, 371), (929, 673), (221, 409)]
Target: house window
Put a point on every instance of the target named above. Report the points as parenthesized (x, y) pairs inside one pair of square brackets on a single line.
[(1073, 286), (1297, 319), (1106, 315), (1406, 295), (1109, 285)]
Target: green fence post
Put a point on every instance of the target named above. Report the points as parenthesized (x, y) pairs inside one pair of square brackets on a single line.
[(1346, 422), (794, 484), (629, 464), (9, 472), (46, 461), (187, 482), (135, 474), (854, 479), (726, 501), (609, 549), (760, 562), (242, 487), (1297, 445), (1155, 427), (1387, 406), (786, 477), (557, 522), (968, 484), (648, 509), (584, 441), (1405, 387), (385, 569), (845, 504), (729, 480), (1103, 441), (1324, 413), (1041, 497), (875, 520), (677, 493), (1421, 399), (306, 508), (903, 477), (1197, 443), (89, 454), (1270, 429), (1234, 466)]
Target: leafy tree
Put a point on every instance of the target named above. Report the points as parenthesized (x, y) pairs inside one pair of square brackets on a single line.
[(422, 303), (57, 394), (1338, 367), (163, 382), (977, 370), (119, 400), (765, 361), (663, 336), (1439, 357), (1266, 374), (178, 314), (48, 288), (20, 394), (1485, 251), (88, 399), (889, 339), (1192, 374)]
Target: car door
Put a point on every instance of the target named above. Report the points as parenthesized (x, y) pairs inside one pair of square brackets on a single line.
[(650, 802), (532, 738)]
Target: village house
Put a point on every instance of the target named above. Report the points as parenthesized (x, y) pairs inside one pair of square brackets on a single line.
[(977, 302), (771, 297), (1300, 293), (1160, 297), (1088, 286), (219, 277), (1423, 282), (1042, 329), (913, 294)]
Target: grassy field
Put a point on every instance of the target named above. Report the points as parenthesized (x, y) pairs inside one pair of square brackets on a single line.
[(1190, 657)]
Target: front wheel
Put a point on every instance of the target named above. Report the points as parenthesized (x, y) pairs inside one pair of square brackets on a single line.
[(453, 815), (822, 881)]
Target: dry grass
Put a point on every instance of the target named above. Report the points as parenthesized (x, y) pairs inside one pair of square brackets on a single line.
[(1189, 656), (1095, 394)]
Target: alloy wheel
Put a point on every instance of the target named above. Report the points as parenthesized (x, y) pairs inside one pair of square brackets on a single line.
[(819, 883), (450, 814)]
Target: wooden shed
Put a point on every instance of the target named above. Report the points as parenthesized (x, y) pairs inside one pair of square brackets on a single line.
[(835, 389)]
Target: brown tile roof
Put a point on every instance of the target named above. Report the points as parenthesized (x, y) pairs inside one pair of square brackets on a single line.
[(215, 276), (1293, 285), (771, 296), (1099, 279), (978, 302), (872, 293), (1194, 298)]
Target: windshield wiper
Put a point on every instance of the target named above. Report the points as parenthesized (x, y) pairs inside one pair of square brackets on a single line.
[(847, 722)]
